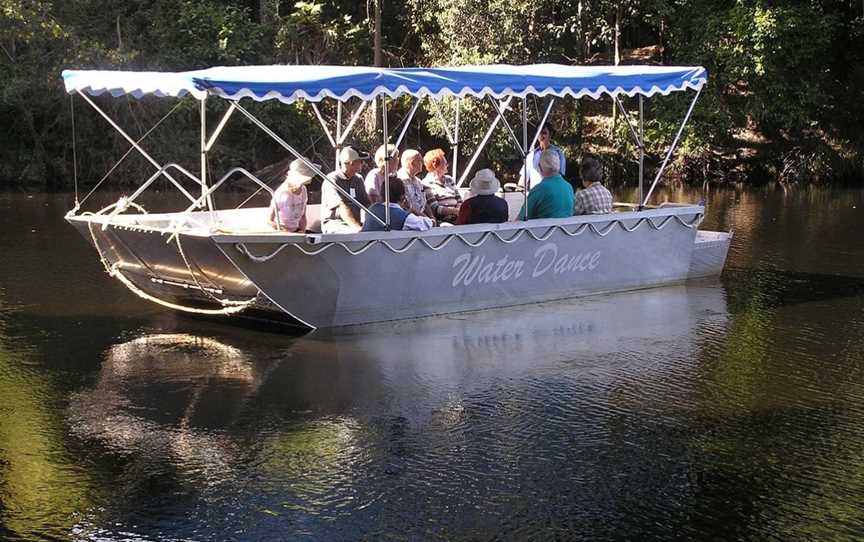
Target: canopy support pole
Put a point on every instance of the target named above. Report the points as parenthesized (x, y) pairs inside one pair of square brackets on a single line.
[(637, 138), (204, 155), (456, 138), (338, 146), (485, 140), (525, 154), (74, 152), (672, 148), (641, 150), (386, 163), (526, 181), (303, 159), (136, 146)]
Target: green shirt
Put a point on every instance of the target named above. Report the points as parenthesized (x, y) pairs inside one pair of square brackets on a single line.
[(552, 198)]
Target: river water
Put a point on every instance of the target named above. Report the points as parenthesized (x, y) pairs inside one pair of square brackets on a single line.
[(725, 409)]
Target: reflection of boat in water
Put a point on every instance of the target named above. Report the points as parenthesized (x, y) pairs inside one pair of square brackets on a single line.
[(232, 262), (330, 425), (162, 392), (182, 387)]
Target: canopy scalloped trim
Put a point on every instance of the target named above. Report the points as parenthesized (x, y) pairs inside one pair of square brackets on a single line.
[(315, 83), (465, 92)]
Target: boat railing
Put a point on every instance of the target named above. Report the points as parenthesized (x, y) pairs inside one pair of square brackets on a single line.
[(123, 204), (179, 221)]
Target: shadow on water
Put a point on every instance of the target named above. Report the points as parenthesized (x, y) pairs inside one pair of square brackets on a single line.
[(778, 288)]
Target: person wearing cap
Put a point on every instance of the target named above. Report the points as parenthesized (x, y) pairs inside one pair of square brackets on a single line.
[(339, 214), (544, 142), (594, 198), (483, 207), (415, 199), (440, 188), (553, 197), (400, 219), (288, 206), (375, 177)]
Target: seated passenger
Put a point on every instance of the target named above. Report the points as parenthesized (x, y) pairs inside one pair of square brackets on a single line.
[(339, 214), (553, 196), (415, 199), (440, 188), (288, 207), (483, 206), (400, 219), (375, 177), (594, 198)]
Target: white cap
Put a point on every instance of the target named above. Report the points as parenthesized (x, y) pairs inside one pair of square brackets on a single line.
[(350, 154)]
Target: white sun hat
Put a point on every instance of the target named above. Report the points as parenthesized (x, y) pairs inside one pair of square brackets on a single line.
[(299, 173), (484, 183)]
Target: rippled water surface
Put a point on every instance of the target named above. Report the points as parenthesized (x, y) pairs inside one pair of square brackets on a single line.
[(728, 409)]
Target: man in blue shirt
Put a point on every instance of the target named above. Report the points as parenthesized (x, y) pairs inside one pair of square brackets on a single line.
[(553, 197)]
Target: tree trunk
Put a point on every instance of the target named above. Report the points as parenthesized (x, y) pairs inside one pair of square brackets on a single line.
[(377, 35), (376, 46)]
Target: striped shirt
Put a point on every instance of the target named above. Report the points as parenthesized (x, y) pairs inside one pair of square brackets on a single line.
[(594, 200)]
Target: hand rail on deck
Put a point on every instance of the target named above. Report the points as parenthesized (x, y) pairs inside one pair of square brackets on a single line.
[(207, 192)]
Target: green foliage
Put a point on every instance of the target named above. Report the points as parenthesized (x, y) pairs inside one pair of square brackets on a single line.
[(788, 70)]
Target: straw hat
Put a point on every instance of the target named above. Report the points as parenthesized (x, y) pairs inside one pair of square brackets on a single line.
[(484, 183), (299, 173)]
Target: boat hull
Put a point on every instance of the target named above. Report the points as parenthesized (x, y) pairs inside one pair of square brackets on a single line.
[(188, 270), (326, 281)]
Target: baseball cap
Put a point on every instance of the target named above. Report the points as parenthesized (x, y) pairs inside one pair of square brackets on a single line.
[(349, 154)]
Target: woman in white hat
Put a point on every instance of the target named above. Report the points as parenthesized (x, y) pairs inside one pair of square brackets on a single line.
[(483, 206), (288, 208)]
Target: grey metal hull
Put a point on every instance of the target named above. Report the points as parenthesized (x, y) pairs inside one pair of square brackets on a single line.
[(326, 281), (194, 272), (337, 280)]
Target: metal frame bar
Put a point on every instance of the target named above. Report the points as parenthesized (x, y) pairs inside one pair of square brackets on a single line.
[(479, 149), (353, 121), (525, 178), (386, 164), (162, 170), (456, 137), (509, 128), (323, 124), (218, 131), (211, 189), (626, 116), (443, 121), (302, 158), (204, 152), (671, 148), (525, 155), (641, 149), (408, 122)]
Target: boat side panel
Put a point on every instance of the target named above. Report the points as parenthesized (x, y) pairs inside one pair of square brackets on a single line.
[(378, 283)]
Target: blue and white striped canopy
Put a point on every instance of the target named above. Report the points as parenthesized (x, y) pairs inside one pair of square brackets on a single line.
[(315, 83)]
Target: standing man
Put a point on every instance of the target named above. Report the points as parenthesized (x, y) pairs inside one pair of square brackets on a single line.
[(553, 197), (544, 142), (338, 213), (594, 198)]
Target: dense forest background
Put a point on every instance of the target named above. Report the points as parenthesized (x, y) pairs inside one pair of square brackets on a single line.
[(784, 101)]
